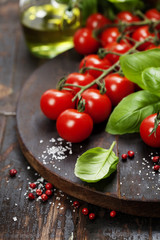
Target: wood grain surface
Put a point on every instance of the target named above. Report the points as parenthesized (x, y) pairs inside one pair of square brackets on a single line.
[(26, 220)]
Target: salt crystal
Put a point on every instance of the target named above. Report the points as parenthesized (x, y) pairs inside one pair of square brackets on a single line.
[(14, 219)]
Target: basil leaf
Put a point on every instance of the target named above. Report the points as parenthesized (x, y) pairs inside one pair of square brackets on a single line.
[(129, 113), (134, 64), (96, 164), (151, 80), (127, 4), (107, 9), (63, 1), (87, 8)]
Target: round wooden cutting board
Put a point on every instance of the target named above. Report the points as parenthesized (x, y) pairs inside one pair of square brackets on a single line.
[(133, 189)]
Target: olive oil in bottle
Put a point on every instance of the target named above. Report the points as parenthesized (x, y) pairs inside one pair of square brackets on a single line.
[(49, 28)]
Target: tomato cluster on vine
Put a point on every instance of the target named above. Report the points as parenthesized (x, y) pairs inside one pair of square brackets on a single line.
[(87, 97)]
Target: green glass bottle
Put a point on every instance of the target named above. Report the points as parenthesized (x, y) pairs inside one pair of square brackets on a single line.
[(49, 25)]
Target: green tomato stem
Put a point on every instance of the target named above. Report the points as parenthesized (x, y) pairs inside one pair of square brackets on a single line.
[(107, 71)]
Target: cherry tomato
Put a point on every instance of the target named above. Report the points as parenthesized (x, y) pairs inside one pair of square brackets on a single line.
[(81, 79), (153, 14), (141, 34), (84, 42), (97, 105), (152, 46), (96, 20), (120, 48), (93, 60), (74, 126), (53, 102), (118, 87), (128, 17), (146, 128), (109, 35)]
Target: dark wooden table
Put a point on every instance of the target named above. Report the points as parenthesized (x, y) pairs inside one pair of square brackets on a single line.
[(57, 218)]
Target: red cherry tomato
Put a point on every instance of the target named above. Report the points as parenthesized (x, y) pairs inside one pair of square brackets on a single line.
[(141, 34), (74, 126), (128, 17), (118, 87), (146, 128), (53, 102), (153, 14), (109, 35), (93, 60), (120, 48), (81, 79), (98, 106), (96, 20), (84, 42), (152, 46)]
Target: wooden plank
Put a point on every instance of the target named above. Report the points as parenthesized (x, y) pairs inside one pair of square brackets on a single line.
[(14, 57), (9, 12), (17, 211)]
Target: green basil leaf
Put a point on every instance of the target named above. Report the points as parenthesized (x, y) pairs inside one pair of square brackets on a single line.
[(151, 80), (107, 9), (134, 64), (127, 4), (129, 113), (87, 8), (63, 1), (123, 1), (96, 164)]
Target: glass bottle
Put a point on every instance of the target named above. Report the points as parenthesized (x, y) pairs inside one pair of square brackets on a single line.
[(49, 25)]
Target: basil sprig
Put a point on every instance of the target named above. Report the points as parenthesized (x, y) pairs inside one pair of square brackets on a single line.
[(129, 113), (151, 80), (96, 164), (133, 65), (142, 68)]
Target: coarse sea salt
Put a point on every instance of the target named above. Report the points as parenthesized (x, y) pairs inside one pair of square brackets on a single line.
[(55, 152)]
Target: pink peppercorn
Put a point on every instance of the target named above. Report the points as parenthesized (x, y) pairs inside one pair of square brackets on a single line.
[(112, 214), (156, 167), (32, 185), (49, 192), (39, 192), (31, 196), (155, 159), (124, 156), (48, 186), (92, 216), (44, 197), (76, 204), (130, 154), (85, 211), (13, 172)]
